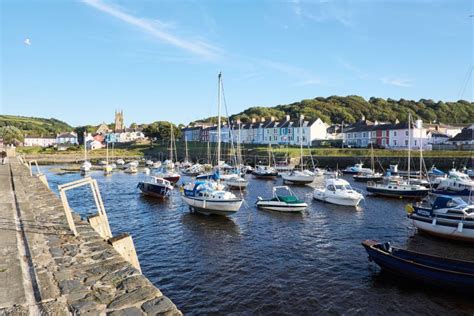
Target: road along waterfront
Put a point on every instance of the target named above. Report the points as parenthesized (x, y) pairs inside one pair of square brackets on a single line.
[(263, 262)]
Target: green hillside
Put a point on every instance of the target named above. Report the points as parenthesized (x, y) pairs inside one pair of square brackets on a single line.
[(349, 109), (35, 125)]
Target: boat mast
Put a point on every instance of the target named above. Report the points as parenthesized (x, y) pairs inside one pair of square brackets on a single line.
[(85, 147), (219, 120), (409, 146), (186, 148), (171, 143), (106, 153), (420, 126), (372, 162), (301, 142)]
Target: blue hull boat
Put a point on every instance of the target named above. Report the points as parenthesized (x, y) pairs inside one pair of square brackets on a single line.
[(442, 272)]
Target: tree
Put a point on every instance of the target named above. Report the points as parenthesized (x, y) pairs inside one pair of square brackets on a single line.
[(161, 131), (11, 135)]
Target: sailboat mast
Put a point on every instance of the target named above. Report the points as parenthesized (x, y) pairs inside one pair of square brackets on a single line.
[(301, 142), (171, 142), (85, 147), (219, 120), (409, 146), (186, 147), (107, 152), (372, 162), (420, 126)]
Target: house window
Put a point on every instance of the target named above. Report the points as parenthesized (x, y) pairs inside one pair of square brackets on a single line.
[(415, 142), (384, 142), (406, 133), (373, 134), (406, 142), (364, 134), (395, 133), (395, 142)]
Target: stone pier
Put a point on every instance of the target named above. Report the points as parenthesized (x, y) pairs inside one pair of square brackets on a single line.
[(46, 270)]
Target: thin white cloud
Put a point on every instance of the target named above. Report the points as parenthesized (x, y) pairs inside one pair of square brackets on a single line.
[(27, 41), (157, 29), (352, 68), (323, 11), (405, 83), (309, 82)]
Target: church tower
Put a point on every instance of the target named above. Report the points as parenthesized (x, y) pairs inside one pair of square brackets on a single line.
[(119, 120)]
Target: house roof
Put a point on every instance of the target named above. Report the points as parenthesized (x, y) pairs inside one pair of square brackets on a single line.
[(465, 135)]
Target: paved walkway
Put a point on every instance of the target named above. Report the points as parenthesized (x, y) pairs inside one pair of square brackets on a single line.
[(63, 274), (11, 278)]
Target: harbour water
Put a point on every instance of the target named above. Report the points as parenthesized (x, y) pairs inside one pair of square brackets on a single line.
[(261, 262)]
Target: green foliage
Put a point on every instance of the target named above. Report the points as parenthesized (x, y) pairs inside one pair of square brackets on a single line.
[(35, 126), (209, 120), (335, 109), (161, 130), (11, 134)]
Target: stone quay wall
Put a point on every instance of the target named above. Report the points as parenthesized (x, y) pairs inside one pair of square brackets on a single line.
[(46, 270)]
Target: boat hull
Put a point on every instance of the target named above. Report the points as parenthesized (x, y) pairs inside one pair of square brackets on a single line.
[(282, 207), (457, 275), (154, 190), (297, 179), (367, 179), (265, 175), (416, 194), (444, 228), (209, 207), (172, 179), (337, 201), (464, 192)]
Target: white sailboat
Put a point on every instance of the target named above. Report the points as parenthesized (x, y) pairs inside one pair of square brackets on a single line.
[(86, 165), (107, 168), (237, 180), (302, 176), (209, 197)]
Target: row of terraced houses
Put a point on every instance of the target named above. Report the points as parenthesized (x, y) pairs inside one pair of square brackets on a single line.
[(360, 134)]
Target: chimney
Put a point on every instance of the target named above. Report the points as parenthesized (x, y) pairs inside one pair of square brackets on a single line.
[(262, 119), (287, 117), (254, 119)]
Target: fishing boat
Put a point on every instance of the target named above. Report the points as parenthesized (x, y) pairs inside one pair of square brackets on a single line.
[(283, 200), (457, 183), (208, 197), (442, 272), (338, 191), (444, 216), (355, 169), (398, 187), (157, 187)]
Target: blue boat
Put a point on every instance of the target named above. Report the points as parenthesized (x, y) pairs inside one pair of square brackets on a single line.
[(457, 275), (156, 186)]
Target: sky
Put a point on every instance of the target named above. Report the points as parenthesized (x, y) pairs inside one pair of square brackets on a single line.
[(79, 61)]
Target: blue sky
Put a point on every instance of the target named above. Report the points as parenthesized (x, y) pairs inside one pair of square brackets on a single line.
[(78, 61)]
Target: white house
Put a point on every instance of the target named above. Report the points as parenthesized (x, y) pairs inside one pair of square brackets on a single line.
[(94, 144), (69, 138), (41, 141)]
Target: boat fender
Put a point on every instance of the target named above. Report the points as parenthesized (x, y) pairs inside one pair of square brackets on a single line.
[(460, 227), (409, 209)]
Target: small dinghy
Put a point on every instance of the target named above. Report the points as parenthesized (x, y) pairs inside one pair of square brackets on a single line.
[(265, 172), (284, 200), (442, 272)]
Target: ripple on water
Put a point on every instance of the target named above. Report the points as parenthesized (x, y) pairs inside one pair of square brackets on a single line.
[(260, 262)]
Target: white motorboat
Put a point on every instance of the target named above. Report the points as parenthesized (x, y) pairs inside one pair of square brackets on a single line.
[(265, 172), (131, 169), (457, 183), (445, 216), (283, 200), (149, 163), (298, 177), (355, 169), (120, 162), (338, 191), (236, 182)]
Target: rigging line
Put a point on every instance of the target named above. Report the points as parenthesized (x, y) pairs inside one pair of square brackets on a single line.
[(465, 81)]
